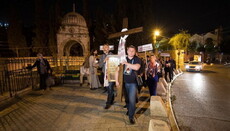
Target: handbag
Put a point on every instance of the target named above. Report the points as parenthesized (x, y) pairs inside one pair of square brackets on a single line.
[(139, 80), (50, 81)]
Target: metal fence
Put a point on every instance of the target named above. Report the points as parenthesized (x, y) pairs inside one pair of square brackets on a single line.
[(13, 81), (14, 76)]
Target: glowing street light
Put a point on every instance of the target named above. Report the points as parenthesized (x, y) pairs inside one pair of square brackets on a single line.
[(156, 33)]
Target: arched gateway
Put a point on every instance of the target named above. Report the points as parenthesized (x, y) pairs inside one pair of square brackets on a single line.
[(73, 36)]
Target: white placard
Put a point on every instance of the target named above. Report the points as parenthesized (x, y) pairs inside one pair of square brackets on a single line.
[(111, 47), (146, 47)]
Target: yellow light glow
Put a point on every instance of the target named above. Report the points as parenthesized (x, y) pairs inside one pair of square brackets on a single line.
[(156, 32)]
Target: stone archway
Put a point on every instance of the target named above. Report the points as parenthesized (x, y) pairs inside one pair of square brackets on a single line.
[(73, 48), (73, 34)]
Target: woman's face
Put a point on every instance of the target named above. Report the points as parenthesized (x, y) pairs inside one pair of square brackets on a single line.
[(95, 52), (153, 59)]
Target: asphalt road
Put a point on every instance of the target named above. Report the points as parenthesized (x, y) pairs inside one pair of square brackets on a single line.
[(203, 99)]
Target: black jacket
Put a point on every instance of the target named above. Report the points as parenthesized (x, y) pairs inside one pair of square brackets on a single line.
[(37, 64)]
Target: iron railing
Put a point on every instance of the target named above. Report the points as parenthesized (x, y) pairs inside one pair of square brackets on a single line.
[(14, 76)]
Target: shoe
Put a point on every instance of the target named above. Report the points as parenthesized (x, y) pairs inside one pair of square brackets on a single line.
[(125, 106), (127, 113), (80, 84), (132, 121), (107, 106), (91, 88)]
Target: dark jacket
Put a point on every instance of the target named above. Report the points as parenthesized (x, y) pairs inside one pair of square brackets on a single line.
[(37, 64)]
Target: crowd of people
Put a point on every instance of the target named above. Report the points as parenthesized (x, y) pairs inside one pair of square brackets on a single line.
[(150, 69)]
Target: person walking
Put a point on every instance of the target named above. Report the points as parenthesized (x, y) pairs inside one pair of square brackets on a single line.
[(167, 69), (84, 71), (108, 86), (131, 67), (102, 64), (43, 68), (173, 66), (93, 65), (152, 77)]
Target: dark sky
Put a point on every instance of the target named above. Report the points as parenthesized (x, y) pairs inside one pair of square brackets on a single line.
[(197, 16)]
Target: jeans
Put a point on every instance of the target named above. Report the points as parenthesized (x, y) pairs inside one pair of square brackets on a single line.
[(131, 89), (152, 84), (110, 97)]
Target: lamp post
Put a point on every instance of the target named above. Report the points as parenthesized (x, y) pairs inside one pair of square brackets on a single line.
[(178, 54), (156, 33)]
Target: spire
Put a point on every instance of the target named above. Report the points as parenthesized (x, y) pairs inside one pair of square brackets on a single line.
[(73, 7)]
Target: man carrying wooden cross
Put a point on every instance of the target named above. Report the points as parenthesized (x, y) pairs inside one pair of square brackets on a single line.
[(132, 65)]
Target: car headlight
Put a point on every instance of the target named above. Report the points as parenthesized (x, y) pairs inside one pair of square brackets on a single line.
[(197, 67), (187, 66)]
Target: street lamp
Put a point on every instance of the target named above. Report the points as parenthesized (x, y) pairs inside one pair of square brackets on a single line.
[(156, 33)]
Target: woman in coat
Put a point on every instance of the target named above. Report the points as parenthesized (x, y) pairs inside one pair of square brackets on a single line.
[(152, 77), (93, 65)]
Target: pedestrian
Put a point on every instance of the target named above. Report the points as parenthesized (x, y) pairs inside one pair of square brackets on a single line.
[(43, 69), (84, 71), (102, 62), (173, 66), (161, 66), (152, 77), (131, 67), (93, 65), (167, 69), (108, 86)]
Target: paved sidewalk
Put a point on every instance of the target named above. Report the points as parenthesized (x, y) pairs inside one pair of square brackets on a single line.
[(72, 108)]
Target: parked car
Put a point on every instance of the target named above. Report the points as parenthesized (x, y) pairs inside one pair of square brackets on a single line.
[(194, 66)]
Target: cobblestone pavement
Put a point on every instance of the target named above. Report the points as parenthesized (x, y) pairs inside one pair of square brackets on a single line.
[(72, 108)]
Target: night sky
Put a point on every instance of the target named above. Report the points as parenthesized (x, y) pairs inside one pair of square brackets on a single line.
[(196, 16)]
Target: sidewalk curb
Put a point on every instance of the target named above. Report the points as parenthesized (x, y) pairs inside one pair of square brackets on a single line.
[(172, 119), (165, 121)]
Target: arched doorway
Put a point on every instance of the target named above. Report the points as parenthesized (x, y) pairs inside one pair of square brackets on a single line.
[(76, 50), (73, 48)]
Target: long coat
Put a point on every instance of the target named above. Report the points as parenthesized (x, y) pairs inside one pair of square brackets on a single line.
[(95, 83)]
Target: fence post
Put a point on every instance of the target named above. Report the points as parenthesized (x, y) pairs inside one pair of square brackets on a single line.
[(8, 82)]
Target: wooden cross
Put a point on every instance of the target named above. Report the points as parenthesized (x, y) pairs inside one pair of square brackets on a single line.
[(129, 32), (119, 34)]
